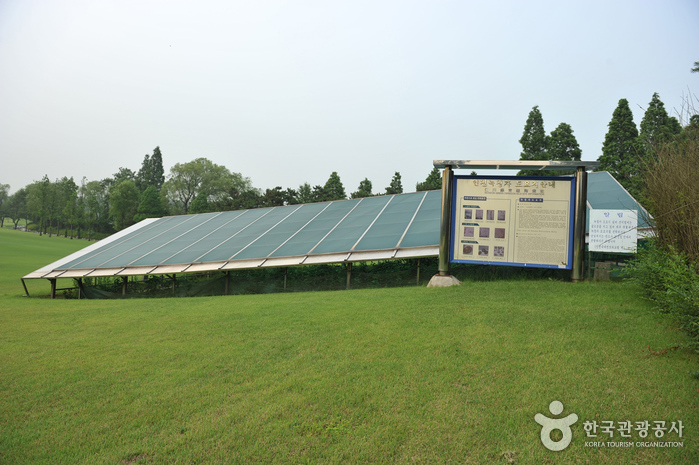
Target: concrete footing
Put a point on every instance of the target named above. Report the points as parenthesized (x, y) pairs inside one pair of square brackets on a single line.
[(443, 281)]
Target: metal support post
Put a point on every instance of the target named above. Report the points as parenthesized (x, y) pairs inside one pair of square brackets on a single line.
[(443, 278), (445, 221), (227, 282), (26, 292), (53, 288), (349, 274), (579, 224), (124, 282)]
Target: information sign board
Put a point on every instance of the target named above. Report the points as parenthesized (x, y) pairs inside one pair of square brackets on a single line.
[(613, 231), (513, 220)]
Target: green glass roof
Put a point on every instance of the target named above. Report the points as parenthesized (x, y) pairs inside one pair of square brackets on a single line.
[(372, 228), (605, 193)]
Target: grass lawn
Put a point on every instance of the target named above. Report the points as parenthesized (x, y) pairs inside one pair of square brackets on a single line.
[(380, 375)]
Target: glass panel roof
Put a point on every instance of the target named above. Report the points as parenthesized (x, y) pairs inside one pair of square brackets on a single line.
[(325, 231)]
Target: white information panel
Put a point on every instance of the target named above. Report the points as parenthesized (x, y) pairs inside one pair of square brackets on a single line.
[(513, 220), (613, 231)]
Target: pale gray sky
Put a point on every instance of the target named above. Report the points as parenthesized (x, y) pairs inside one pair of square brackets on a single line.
[(286, 92)]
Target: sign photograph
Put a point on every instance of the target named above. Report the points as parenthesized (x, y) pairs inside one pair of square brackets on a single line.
[(513, 220)]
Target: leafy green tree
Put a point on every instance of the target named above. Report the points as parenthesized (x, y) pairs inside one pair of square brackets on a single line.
[(200, 204), (242, 200), (319, 194), (433, 181), (534, 142), (396, 186), (151, 172), (151, 206), (364, 189), (69, 203), (333, 188), (621, 149), (221, 186), (123, 203), (273, 197), (94, 197), (122, 175), (17, 206), (4, 195), (290, 196), (39, 200)]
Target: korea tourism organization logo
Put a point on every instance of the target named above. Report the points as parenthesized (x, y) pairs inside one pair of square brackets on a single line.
[(603, 432), (549, 425)]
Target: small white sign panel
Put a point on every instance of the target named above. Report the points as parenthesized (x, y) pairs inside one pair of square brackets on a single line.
[(613, 231)]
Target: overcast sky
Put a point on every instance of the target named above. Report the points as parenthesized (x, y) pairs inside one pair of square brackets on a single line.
[(285, 92)]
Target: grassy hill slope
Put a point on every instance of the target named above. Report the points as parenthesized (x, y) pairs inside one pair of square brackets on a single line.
[(380, 375)]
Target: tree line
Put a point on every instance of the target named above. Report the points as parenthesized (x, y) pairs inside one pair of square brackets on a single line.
[(626, 151), (127, 197)]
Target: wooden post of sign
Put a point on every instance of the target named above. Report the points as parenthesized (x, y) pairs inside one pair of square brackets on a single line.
[(443, 278)]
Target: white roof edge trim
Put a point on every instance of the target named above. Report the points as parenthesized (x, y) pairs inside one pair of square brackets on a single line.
[(320, 259), (90, 248), (516, 164)]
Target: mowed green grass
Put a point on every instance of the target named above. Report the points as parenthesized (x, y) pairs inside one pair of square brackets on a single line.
[(406, 375)]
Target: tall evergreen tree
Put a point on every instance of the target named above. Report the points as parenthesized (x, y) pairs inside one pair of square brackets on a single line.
[(396, 186), (433, 181), (151, 206), (305, 193), (657, 126), (534, 142), (151, 172), (334, 189), (563, 146), (621, 150)]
